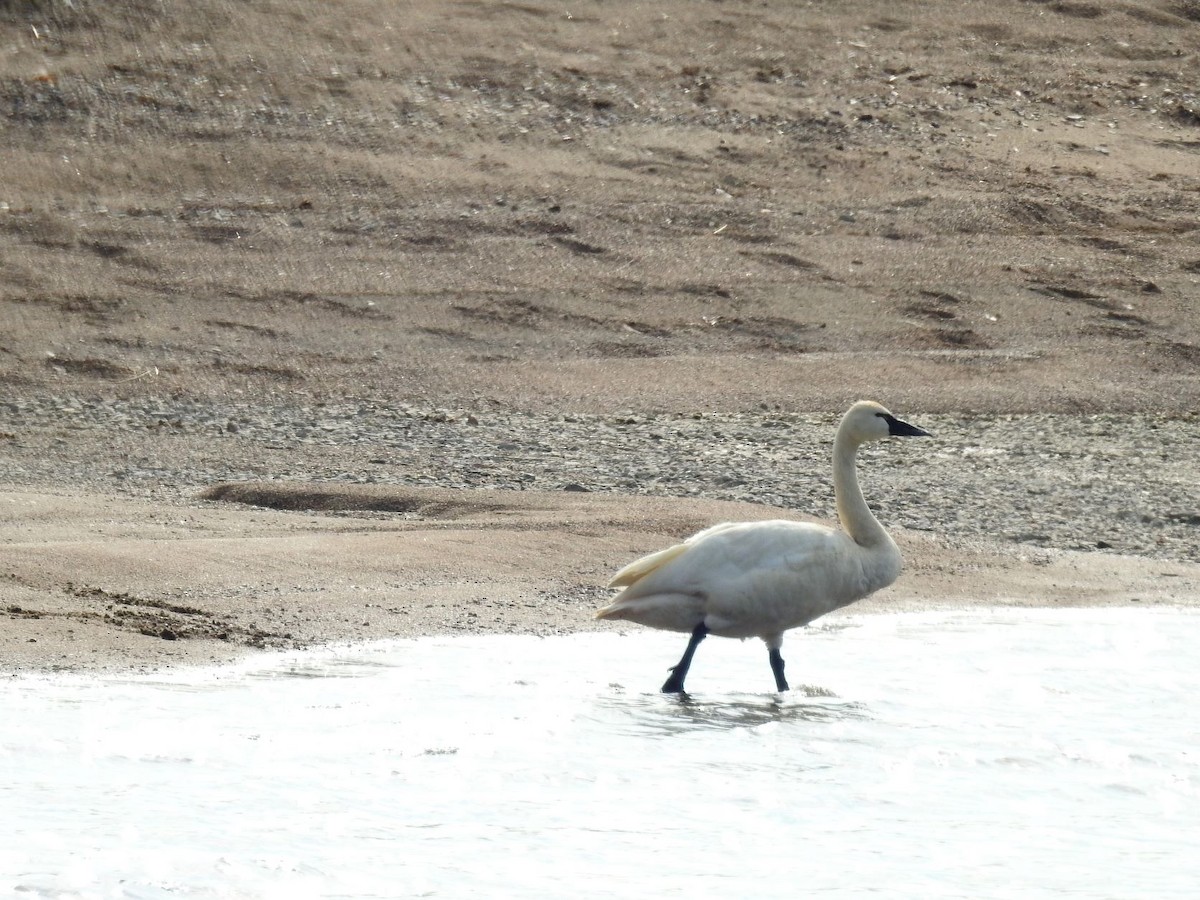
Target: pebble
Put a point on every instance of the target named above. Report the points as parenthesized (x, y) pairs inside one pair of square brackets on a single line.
[(1113, 483)]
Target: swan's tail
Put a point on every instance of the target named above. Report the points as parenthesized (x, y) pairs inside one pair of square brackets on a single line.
[(669, 612)]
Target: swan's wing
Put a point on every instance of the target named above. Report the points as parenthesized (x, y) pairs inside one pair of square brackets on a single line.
[(772, 582), (640, 568)]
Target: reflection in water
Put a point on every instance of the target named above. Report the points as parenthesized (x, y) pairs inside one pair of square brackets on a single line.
[(999, 753), (665, 714)]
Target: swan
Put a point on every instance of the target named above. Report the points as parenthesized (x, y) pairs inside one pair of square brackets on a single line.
[(759, 579)]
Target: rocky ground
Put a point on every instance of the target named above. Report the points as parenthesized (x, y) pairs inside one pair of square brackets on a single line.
[(1116, 483), (609, 274)]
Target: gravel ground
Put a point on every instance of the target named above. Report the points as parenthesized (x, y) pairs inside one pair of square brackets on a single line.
[(1121, 484), (214, 233)]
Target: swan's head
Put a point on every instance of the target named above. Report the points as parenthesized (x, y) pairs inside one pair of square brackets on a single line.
[(868, 421)]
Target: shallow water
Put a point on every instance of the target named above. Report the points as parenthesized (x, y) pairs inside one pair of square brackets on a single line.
[(1004, 753)]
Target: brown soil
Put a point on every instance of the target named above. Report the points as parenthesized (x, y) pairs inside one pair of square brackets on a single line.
[(946, 206)]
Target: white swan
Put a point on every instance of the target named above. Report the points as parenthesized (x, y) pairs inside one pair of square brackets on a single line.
[(758, 579)]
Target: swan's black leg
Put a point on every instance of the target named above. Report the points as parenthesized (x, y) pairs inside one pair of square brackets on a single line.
[(674, 684), (777, 668)]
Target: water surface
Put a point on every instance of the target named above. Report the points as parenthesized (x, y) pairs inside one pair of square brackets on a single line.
[(1003, 753)]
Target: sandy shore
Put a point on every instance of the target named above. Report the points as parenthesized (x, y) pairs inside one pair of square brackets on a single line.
[(473, 304), (103, 582)]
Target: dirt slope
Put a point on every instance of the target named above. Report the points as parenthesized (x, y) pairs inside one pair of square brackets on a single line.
[(611, 208)]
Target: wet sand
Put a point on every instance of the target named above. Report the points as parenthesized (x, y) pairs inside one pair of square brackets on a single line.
[(98, 582)]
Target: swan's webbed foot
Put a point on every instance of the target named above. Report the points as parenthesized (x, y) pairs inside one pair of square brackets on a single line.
[(674, 684), (777, 669)]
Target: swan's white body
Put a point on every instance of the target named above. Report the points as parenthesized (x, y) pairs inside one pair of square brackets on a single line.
[(759, 579), (751, 579)]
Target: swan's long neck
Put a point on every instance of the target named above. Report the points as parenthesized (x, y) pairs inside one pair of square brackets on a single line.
[(854, 514)]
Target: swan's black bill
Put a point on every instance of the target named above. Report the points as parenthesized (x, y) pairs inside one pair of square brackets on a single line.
[(896, 428)]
